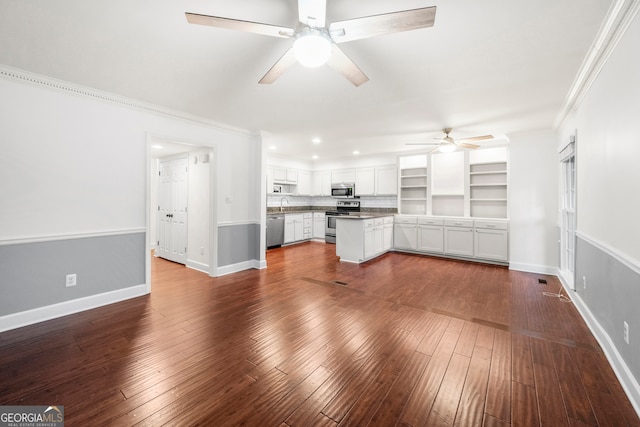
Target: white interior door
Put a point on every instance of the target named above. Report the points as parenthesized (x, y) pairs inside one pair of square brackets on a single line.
[(172, 210)]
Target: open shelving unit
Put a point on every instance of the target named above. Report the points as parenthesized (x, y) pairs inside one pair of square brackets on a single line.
[(413, 185), (471, 184), (488, 189)]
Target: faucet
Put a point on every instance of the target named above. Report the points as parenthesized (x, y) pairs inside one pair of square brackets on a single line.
[(284, 199)]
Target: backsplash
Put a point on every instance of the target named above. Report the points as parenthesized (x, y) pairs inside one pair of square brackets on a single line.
[(366, 202)]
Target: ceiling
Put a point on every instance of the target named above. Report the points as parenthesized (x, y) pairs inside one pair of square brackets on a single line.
[(492, 67)]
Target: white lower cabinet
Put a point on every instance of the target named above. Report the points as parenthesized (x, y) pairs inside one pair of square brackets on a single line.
[(387, 234), (307, 225), (405, 233), (431, 235), (484, 240), (369, 239), (359, 240), (318, 225), (378, 235), (491, 240), (293, 228), (458, 237)]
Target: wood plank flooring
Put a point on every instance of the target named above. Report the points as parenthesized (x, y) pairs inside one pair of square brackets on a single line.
[(406, 340)]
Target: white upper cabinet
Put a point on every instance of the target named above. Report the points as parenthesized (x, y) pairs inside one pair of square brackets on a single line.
[(279, 174), (343, 175), (365, 182), (292, 176), (321, 183), (282, 175), (304, 183), (386, 180)]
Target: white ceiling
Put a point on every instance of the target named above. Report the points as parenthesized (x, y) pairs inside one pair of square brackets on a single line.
[(493, 66)]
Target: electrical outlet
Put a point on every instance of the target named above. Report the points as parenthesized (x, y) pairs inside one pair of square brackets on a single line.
[(626, 332), (584, 282), (201, 250), (71, 280)]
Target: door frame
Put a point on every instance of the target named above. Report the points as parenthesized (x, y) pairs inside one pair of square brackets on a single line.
[(150, 216), (569, 151)]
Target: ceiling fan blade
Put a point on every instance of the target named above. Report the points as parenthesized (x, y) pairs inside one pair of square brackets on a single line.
[(312, 12), (377, 25), (465, 145), (476, 138), (342, 64), (283, 64), (237, 24)]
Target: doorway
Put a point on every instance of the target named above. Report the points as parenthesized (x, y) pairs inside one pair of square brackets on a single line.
[(173, 186), (180, 204)]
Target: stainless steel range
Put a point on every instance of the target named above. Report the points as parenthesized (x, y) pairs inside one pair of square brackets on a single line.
[(343, 207)]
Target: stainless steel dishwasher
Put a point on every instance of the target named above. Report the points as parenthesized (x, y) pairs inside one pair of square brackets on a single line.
[(275, 230)]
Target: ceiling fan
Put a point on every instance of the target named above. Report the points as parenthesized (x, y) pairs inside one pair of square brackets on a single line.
[(316, 42), (447, 144)]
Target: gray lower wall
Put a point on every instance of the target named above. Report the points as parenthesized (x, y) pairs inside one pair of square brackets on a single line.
[(613, 296), (238, 243), (32, 275)]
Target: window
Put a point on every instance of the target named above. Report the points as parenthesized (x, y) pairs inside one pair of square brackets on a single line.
[(568, 226)]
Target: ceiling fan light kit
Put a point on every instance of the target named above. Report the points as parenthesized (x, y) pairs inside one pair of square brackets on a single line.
[(447, 148), (312, 48), (316, 42)]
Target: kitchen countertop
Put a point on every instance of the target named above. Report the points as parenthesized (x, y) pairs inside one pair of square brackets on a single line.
[(298, 209), (365, 215), (373, 212)]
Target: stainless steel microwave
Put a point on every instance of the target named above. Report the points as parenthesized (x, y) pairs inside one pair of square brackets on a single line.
[(344, 190)]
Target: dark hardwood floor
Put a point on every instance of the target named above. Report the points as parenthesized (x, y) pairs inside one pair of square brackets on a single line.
[(403, 340)]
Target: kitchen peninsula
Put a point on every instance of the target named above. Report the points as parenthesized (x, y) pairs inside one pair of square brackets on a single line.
[(363, 236)]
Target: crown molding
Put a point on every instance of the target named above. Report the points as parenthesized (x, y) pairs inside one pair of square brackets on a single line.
[(618, 19), (34, 79)]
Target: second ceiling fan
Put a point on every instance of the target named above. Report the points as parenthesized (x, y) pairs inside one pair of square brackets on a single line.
[(447, 144), (316, 42)]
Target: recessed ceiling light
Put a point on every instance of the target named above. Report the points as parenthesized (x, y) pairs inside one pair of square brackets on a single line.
[(316, 140), (314, 157), (272, 147), (157, 147), (356, 152)]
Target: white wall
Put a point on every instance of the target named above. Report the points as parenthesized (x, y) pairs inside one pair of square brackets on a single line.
[(533, 202), (199, 199), (608, 150), (344, 163), (72, 164), (607, 128)]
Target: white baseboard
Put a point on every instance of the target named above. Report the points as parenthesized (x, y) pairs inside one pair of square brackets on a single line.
[(244, 265), (36, 315), (622, 371), (533, 268), (195, 265)]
